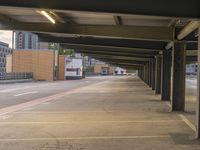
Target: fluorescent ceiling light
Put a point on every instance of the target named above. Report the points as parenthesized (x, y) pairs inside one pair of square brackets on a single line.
[(44, 13)]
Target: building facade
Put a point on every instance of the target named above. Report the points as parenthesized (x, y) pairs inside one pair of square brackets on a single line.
[(4, 51), (191, 69), (25, 40)]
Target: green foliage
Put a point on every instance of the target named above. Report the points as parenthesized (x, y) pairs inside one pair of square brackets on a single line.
[(54, 46), (62, 51)]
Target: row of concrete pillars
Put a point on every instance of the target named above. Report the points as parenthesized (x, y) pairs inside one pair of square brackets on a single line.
[(165, 74)]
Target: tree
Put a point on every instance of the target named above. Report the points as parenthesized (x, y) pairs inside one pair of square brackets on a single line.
[(62, 51)]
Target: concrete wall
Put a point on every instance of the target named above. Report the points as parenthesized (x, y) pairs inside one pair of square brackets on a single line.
[(40, 62)]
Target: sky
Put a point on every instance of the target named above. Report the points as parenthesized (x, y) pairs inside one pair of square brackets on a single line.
[(6, 37)]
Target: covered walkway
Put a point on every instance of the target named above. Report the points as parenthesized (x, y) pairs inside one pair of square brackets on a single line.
[(115, 114)]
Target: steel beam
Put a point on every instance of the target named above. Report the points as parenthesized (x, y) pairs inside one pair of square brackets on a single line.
[(126, 32), (140, 7)]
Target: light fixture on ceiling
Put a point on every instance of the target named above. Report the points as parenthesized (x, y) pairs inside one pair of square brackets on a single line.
[(48, 16)]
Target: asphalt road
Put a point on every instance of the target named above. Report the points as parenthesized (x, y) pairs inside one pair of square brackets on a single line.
[(100, 113), (12, 94)]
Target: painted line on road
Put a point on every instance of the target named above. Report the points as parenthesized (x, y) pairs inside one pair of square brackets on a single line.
[(38, 101), (86, 122), (26, 93), (15, 89), (85, 138), (187, 122)]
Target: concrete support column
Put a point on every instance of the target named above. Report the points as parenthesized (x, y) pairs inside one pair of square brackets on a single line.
[(146, 74), (142, 73), (150, 73), (158, 75), (166, 75), (153, 75), (198, 92), (178, 76)]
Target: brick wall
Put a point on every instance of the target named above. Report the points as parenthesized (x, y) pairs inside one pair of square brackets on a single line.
[(97, 68), (61, 65), (40, 62)]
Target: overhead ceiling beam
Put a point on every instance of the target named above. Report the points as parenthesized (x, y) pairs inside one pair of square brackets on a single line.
[(121, 57), (108, 49), (191, 53), (118, 20), (126, 32), (121, 64), (111, 42), (6, 18), (114, 54), (113, 60), (189, 45), (126, 66), (140, 7)]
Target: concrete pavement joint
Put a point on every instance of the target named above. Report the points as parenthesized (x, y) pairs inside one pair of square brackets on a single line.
[(88, 122), (86, 138)]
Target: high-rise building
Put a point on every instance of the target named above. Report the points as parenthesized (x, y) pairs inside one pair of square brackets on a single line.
[(4, 51), (26, 40)]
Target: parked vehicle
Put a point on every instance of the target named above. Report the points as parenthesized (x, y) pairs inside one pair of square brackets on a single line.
[(119, 71), (73, 68)]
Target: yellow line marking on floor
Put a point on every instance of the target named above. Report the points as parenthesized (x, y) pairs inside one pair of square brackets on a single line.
[(187, 122), (84, 138)]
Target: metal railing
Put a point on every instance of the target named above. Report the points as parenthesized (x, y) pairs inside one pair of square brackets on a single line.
[(16, 76)]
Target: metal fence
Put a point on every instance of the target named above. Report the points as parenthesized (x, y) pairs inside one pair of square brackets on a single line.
[(16, 76)]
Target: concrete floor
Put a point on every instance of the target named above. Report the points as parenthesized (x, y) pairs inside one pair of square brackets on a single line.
[(115, 113)]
